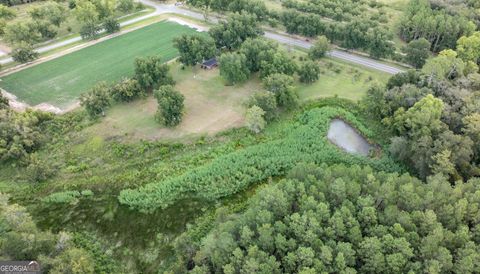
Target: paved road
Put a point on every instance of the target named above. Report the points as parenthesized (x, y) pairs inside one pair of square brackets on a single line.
[(284, 39)]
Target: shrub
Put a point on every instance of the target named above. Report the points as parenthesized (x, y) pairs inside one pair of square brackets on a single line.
[(64, 197), (126, 90), (89, 31), (96, 100), (38, 170), (254, 119), (24, 53), (3, 101), (111, 25), (266, 101), (87, 193)]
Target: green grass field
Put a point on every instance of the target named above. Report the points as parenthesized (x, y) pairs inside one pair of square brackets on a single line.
[(59, 82), (344, 80)]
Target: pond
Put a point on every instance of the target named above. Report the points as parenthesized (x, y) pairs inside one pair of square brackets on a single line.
[(347, 138)]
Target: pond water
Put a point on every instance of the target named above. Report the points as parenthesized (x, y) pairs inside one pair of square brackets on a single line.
[(347, 138)]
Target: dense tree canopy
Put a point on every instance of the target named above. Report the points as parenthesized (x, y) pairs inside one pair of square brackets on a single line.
[(20, 133), (194, 48), (21, 239), (151, 73), (233, 68), (417, 52), (256, 7), (437, 26), (430, 116), (232, 33), (468, 48), (348, 219), (282, 86)]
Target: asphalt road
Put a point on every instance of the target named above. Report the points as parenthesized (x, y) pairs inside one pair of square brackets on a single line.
[(284, 39)]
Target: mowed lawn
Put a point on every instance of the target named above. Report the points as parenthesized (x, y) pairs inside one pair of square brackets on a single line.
[(60, 81)]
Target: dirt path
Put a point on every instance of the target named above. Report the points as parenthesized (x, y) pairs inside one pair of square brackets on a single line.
[(18, 105)]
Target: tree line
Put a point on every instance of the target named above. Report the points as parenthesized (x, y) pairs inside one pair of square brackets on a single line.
[(45, 20), (438, 26)]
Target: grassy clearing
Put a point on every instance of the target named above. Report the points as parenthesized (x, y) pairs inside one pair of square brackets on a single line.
[(60, 81), (210, 107), (341, 79)]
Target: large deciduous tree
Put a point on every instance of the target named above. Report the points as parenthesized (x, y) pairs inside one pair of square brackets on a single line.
[(126, 90), (170, 106), (267, 101), (417, 52), (309, 72), (319, 48), (380, 43), (254, 119), (111, 25), (282, 86), (232, 33), (468, 48), (53, 12), (194, 48), (151, 73), (280, 63), (258, 50), (96, 100), (233, 68), (22, 32)]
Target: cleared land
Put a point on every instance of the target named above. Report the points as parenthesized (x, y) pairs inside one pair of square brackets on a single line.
[(341, 79), (210, 107), (59, 82)]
